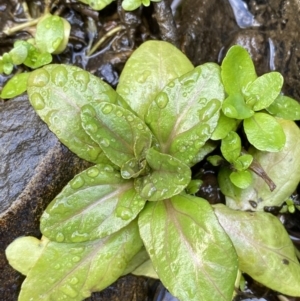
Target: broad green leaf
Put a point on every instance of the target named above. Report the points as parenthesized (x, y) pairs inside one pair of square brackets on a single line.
[(282, 167), (57, 93), (264, 248), (35, 58), (285, 107), (49, 33), (15, 85), (263, 91), (185, 241), (234, 106), (96, 203), (148, 70), (24, 251), (242, 179), (72, 271), (139, 258), (185, 113), (238, 70), (224, 126), (231, 146), (116, 130), (243, 162), (264, 132), (19, 53), (168, 177), (97, 4)]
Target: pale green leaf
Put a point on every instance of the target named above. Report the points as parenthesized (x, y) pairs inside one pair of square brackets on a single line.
[(183, 116), (168, 177), (264, 132), (285, 107), (238, 70), (142, 79), (263, 91), (96, 203), (116, 130), (264, 248), (242, 179), (19, 53), (185, 241), (72, 271), (231, 146), (15, 86), (146, 269), (57, 93)]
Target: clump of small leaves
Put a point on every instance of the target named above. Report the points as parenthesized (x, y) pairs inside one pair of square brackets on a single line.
[(132, 211), (51, 37)]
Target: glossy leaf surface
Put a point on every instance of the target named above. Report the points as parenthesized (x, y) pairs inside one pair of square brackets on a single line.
[(116, 130), (264, 132), (185, 241), (263, 91), (224, 126), (15, 86), (241, 179), (243, 162), (264, 248), (285, 107), (36, 58), (231, 146), (142, 79), (284, 173), (237, 70), (183, 116), (19, 53), (234, 106), (96, 203), (57, 93), (168, 177), (72, 271)]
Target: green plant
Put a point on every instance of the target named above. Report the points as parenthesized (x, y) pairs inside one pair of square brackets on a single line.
[(51, 36), (131, 210)]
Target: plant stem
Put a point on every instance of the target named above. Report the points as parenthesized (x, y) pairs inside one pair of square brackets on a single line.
[(107, 35), (14, 29)]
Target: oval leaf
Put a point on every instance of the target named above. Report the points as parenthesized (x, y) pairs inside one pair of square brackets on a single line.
[(231, 146), (264, 132), (15, 85), (263, 91), (264, 248), (241, 179), (183, 116), (96, 203), (234, 106), (168, 177), (285, 107), (148, 70), (73, 271), (116, 130), (224, 126), (282, 167), (238, 70), (185, 241), (57, 93)]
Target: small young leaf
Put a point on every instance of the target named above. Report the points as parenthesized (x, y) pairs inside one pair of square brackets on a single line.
[(238, 70), (97, 4), (263, 91), (30, 248), (96, 203), (224, 126), (264, 248), (15, 86), (58, 92), (73, 271), (231, 146), (168, 177), (234, 106), (243, 162), (264, 132), (184, 114), (284, 173), (7, 64), (241, 179), (201, 256), (49, 33), (141, 78), (36, 59), (19, 53), (285, 107), (116, 130)]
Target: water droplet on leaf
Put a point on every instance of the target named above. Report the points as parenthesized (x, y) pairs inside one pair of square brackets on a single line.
[(77, 182), (104, 142), (37, 101), (59, 76), (69, 291), (60, 237), (40, 78), (76, 258), (107, 109), (162, 100), (123, 213), (93, 172)]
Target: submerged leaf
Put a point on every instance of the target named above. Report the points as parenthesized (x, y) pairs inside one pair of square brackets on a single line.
[(264, 248), (185, 113), (57, 93), (186, 242), (96, 203), (168, 177), (67, 271), (147, 71), (116, 130)]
